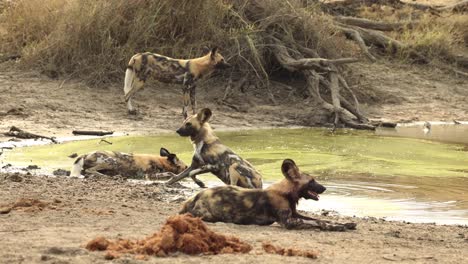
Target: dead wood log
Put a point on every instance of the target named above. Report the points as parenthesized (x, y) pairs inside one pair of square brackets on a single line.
[(387, 124), (308, 63), (19, 133), (460, 60), (353, 34), (370, 24), (372, 37), (9, 57), (346, 113), (92, 133), (457, 7), (392, 3)]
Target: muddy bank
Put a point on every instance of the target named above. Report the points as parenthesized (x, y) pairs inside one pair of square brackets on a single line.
[(81, 210), (40, 105)]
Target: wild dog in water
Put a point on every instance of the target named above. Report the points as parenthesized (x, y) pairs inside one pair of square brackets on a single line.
[(169, 70), (113, 163), (277, 203), (212, 156)]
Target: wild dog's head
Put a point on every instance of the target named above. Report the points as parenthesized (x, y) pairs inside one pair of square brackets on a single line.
[(303, 185), (217, 60), (175, 164), (194, 123)]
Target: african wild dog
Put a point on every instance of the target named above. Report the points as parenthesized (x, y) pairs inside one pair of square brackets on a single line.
[(212, 156), (113, 163), (277, 203), (169, 70)]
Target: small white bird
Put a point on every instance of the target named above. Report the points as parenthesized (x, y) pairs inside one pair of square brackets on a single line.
[(427, 128)]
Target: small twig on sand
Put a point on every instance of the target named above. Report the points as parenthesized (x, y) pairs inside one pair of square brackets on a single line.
[(105, 141)]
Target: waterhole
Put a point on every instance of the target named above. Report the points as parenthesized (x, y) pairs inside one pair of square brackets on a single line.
[(418, 179)]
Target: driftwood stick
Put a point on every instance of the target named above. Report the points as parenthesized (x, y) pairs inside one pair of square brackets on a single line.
[(19, 133), (92, 133)]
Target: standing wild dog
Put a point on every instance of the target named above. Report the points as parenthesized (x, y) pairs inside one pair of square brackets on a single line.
[(277, 203), (169, 70), (113, 163), (212, 156)]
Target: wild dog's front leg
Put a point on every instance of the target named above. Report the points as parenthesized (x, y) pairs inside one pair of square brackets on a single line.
[(201, 170), (94, 171), (186, 98), (193, 100), (286, 219), (298, 215), (188, 83), (192, 172)]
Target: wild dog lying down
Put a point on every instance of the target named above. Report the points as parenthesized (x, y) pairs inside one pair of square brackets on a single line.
[(277, 203), (169, 70), (212, 156), (113, 163)]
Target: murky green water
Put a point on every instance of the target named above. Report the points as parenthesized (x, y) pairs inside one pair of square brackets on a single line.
[(366, 174)]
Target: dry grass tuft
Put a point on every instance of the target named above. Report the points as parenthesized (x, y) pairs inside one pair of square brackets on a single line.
[(94, 39), (437, 37)]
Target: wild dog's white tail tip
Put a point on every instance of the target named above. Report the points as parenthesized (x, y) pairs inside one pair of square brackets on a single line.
[(77, 167), (129, 75)]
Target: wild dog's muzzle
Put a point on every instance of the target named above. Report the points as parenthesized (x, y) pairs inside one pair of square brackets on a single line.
[(313, 190), (184, 132), (223, 65)]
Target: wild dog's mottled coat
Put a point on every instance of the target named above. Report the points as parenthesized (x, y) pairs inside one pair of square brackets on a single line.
[(212, 156), (128, 165), (277, 203), (168, 70)]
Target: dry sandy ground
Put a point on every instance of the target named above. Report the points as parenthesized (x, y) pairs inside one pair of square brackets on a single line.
[(80, 210)]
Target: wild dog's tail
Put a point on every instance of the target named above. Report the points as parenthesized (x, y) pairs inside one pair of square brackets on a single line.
[(77, 166), (129, 78)]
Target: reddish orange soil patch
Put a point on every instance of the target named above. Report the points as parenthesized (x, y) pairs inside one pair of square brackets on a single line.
[(26, 205), (272, 249), (181, 233)]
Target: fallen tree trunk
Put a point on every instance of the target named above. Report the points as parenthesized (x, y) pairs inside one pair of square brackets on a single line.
[(92, 133)]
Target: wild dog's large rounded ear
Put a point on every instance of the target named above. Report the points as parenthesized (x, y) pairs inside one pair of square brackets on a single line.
[(206, 50), (290, 170), (164, 152), (204, 115), (213, 52), (172, 158)]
